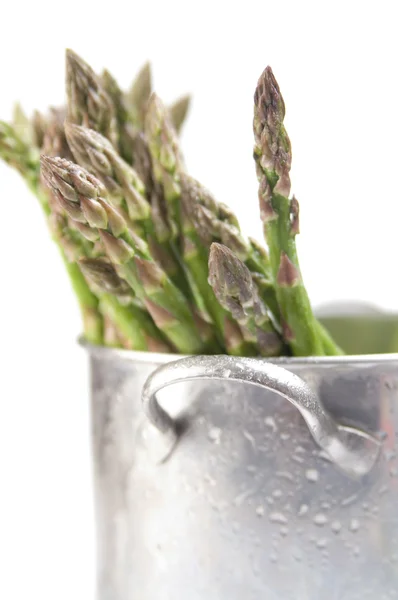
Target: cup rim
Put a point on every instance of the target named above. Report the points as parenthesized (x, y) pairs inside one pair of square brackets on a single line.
[(105, 352)]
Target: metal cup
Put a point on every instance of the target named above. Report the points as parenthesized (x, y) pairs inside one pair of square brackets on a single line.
[(246, 479)]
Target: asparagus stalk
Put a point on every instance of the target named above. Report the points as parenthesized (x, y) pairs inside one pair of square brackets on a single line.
[(132, 322), (272, 152), (82, 196), (89, 103), (236, 291)]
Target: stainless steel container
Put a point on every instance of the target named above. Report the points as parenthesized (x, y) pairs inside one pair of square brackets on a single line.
[(218, 488)]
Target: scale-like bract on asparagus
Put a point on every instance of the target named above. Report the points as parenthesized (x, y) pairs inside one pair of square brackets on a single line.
[(236, 291), (272, 152)]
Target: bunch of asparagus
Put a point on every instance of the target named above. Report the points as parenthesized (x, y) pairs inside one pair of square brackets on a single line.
[(157, 264)]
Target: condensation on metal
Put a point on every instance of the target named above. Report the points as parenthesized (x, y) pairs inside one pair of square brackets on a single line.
[(234, 510)]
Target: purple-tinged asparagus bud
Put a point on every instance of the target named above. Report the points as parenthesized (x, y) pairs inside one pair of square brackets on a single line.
[(272, 144), (117, 249), (150, 274)]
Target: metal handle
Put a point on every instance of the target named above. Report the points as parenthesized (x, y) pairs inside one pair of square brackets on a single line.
[(351, 449)]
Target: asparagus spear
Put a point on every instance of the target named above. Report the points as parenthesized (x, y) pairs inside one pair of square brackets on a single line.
[(16, 153), (124, 125), (137, 97), (167, 162), (22, 125), (88, 102), (82, 196), (233, 285), (134, 323), (39, 124), (179, 111), (272, 152)]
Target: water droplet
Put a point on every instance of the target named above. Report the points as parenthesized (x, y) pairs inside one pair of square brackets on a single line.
[(251, 468), (285, 475), (300, 449), (326, 505), (336, 527), (214, 435), (285, 436), (324, 455), (260, 510), (238, 501), (277, 517), (322, 543), (284, 531), (269, 500), (298, 459), (210, 480), (297, 554), (349, 500), (273, 557), (277, 493), (270, 421), (235, 526), (356, 551), (390, 454), (320, 519), (354, 525), (303, 510), (249, 438), (312, 475)]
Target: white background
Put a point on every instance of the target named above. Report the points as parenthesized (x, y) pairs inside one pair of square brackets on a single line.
[(337, 66)]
